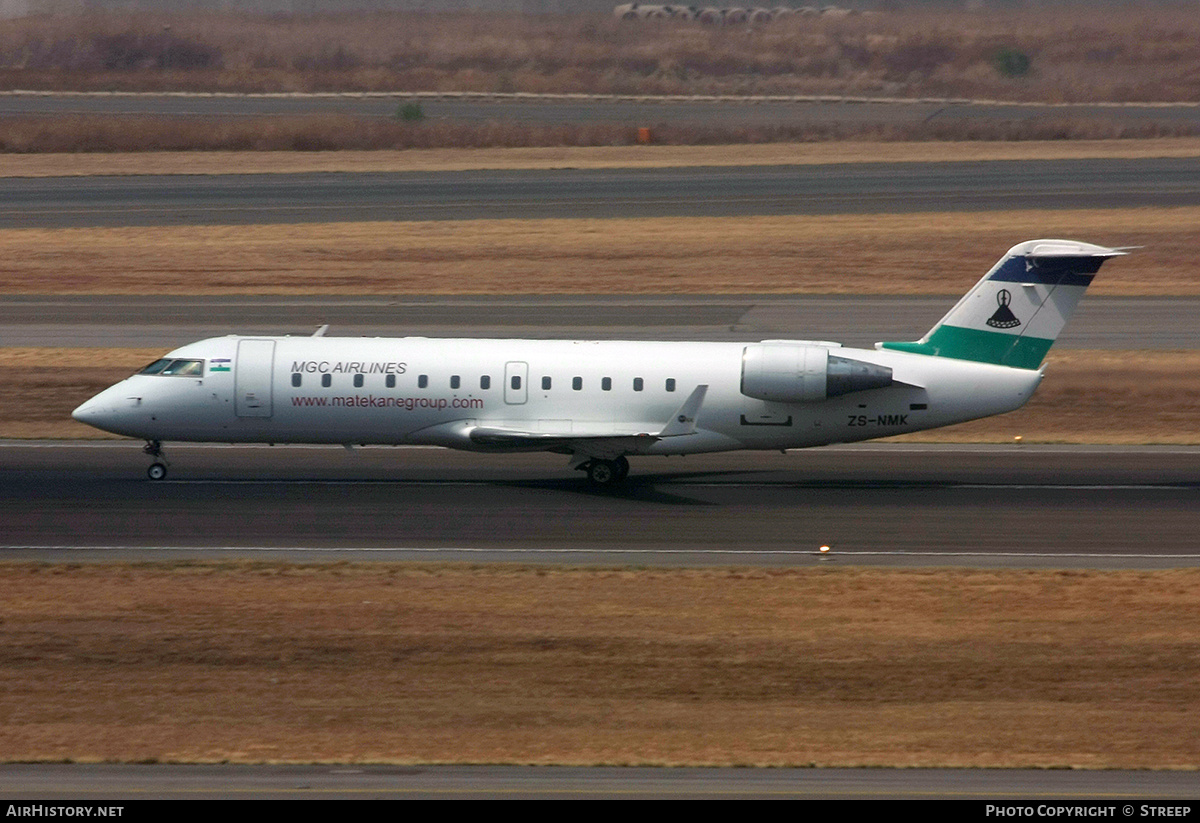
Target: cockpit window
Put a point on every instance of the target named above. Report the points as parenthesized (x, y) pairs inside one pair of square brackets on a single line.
[(156, 367), (191, 368), (176, 367)]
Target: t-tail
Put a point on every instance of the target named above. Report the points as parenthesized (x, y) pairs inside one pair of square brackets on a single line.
[(1015, 313)]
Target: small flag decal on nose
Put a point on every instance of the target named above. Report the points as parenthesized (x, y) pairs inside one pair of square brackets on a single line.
[(219, 364)]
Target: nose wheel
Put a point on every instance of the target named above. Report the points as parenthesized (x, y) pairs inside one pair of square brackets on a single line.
[(158, 469)]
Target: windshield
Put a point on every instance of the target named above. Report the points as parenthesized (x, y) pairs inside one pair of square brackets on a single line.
[(175, 366)]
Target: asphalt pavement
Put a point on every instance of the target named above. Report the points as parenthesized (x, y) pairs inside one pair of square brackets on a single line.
[(851, 188), (1008, 506)]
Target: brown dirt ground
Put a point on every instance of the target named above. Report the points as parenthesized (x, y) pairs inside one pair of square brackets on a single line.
[(411, 663), (592, 157), (934, 253), (1087, 397)]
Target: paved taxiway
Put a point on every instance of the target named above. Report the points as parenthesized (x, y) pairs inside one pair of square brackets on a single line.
[(851, 188), (891, 504), (168, 322)]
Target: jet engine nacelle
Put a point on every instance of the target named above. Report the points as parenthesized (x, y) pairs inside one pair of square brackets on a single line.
[(805, 374)]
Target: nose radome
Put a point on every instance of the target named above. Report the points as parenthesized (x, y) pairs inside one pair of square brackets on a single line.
[(97, 412), (87, 412)]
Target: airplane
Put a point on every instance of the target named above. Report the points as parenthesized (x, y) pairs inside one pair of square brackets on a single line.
[(601, 402)]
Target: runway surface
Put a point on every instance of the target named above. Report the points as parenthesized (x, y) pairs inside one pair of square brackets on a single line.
[(169, 322), (172, 200), (180, 782), (884, 504)]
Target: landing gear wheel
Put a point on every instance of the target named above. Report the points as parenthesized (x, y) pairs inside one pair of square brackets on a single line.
[(158, 469), (606, 472)]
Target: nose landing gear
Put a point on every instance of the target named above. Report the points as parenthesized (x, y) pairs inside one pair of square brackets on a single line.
[(158, 469)]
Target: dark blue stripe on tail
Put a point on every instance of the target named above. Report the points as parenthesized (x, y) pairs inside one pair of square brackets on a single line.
[(1049, 271)]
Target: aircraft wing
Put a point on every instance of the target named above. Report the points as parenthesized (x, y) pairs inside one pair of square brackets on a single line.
[(633, 439)]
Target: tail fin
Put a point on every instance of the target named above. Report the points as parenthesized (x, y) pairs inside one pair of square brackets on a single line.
[(1014, 314)]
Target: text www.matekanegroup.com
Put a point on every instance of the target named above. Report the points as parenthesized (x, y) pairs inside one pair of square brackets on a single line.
[(370, 401)]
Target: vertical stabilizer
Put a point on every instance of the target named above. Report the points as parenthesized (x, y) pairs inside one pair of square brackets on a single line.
[(1015, 313)]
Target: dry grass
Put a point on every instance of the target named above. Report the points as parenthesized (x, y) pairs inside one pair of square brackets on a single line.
[(339, 132), (1117, 397), (313, 132), (857, 254), (404, 663), (1084, 52), (590, 157)]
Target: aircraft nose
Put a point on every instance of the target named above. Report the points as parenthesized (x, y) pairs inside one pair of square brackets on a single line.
[(91, 412), (100, 412), (112, 410)]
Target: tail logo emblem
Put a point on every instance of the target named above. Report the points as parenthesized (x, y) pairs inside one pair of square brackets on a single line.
[(1003, 318)]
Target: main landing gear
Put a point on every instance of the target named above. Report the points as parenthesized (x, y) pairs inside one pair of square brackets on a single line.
[(606, 472), (158, 469)]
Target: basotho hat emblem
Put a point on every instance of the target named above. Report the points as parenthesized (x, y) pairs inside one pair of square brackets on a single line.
[(1003, 318)]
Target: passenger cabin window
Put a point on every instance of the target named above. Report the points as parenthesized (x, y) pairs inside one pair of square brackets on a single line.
[(545, 384), (577, 383), (670, 384), (637, 384), (516, 381), (606, 384), (358, 381), (326, 380), (485, 382), (176, 367), (455, 381), (391, 381), (422, 381), (296, 378)]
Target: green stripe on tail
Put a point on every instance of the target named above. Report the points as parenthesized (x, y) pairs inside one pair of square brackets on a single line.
[(980, 346)]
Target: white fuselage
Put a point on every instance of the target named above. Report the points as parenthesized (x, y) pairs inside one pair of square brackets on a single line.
[(417, 390)]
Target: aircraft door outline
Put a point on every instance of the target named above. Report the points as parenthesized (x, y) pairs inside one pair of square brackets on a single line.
[(254, 378)]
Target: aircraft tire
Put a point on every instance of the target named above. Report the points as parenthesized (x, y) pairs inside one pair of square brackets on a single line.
[(622, 468), (604, 472), (157, 471)]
